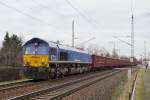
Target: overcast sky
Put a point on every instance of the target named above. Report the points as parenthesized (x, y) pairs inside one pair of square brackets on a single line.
[(102, 19)]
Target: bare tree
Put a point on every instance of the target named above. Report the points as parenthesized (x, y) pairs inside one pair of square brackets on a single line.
[(95, 49), (81, 47), (108, 54), (115, 54)]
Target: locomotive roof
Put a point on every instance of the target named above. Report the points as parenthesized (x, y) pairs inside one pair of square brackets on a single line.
[(54, 45)]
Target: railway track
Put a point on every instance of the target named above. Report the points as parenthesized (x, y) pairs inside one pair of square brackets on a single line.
[(14, 84), (27, 87), (21, 84), (58, 91)]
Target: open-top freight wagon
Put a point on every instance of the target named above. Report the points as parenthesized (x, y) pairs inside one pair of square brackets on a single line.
[(100, 62)]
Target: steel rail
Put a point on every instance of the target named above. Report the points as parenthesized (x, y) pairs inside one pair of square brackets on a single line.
[(71, 90), (11, 84), (22, 84), (16, 86), (63, 85)]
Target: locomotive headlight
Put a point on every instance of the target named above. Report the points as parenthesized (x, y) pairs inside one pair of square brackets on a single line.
[(43, 60), (26, 63), (44, 63)]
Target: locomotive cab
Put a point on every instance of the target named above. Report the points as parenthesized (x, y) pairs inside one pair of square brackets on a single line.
[(35, 55), (35, 58)]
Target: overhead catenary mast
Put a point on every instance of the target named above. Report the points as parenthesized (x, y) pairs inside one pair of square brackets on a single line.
[(132, 52), (132, 31), (145, 50), (73, 33), (132, 37)]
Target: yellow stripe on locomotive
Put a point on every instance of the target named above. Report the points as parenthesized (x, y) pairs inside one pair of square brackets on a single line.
[(35, 60)]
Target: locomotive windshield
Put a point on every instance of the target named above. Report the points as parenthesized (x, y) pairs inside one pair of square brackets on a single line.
[(36, 49)]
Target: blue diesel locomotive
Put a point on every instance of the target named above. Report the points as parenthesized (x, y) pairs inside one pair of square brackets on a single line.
[(44, 59)]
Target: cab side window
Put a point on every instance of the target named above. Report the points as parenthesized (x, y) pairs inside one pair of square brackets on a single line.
[(53, 51)]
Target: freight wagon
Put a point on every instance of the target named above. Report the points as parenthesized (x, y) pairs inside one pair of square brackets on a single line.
[(99, 62)]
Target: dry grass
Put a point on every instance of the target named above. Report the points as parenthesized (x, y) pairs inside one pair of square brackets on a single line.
[(140, 89), (123, 90), (148, 73), (119, 89)]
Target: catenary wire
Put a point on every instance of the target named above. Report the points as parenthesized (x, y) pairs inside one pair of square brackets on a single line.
[(80, 13), (28, 15), (43, 6)]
